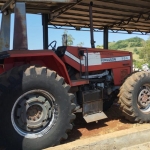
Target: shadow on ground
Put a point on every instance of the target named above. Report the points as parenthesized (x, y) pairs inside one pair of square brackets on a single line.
[(114, 122), (2, 144)]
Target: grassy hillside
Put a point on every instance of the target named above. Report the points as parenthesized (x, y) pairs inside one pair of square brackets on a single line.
[(128, 43), (133, 45)]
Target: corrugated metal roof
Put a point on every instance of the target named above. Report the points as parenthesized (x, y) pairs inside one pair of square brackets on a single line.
[(124, 15)]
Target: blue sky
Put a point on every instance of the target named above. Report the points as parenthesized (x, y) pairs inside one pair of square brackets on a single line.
[(34, 28)]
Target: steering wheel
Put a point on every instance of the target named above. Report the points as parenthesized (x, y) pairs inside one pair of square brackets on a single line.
[(53, 46)]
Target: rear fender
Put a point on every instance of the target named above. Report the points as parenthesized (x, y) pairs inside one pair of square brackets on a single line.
[(41, 57)]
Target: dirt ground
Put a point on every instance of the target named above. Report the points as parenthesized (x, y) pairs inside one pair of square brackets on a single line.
[(114, 122)]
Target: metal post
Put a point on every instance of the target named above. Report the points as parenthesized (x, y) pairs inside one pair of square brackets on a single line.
[(105, 37), (5, 32), (20, 27), (45, 30), (91, 25), (64, 40)]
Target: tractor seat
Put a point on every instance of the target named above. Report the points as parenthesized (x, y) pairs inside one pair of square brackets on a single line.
[(60, 52)]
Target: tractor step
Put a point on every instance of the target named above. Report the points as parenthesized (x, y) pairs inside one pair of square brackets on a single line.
[(95, 117), (93, 106)]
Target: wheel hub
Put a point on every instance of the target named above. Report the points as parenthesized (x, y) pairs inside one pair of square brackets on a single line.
[(33, 113), (144, 97)]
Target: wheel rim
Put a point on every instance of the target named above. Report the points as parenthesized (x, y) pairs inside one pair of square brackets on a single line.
[(144, 99), (34, 113)]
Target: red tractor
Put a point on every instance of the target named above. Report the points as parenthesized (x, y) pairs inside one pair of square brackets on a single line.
[(40, 90)]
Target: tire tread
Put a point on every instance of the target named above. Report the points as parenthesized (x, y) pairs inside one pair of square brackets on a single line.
[(125, 97), (15, 73)]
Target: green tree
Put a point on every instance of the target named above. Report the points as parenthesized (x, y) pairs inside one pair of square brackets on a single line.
[(138, 64), (124, 44), (135, 50), (99, 46), (145, 52), (80, 44), (70, 38)]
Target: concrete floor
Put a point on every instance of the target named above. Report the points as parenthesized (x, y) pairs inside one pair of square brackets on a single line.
[(112, 141)]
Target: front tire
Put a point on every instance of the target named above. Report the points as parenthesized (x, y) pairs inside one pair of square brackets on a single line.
[(134, 97), (36, 108)]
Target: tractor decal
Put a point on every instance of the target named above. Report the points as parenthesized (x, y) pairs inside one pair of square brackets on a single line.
[(113, 59), (93, 58)]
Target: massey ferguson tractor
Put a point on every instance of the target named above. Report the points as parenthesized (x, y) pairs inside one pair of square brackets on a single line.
[(41, 90)]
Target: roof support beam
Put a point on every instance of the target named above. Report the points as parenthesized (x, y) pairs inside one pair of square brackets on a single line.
[(7, 5), (61, 11), (91, 25), (45, 30), (133, 19), (86, 28), (5, 32), (9, 2), (20, 41), (105, 37)]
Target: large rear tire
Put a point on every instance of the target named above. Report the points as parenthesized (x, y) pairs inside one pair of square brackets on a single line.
[(134, 97), (36, 108)]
